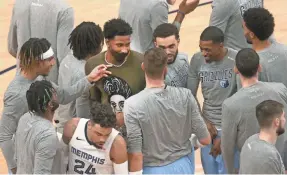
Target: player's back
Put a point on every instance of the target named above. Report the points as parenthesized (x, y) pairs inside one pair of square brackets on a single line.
[(138, 14), (84, 157), (274, 63), (38, 18), (243, 105), (260, 157)]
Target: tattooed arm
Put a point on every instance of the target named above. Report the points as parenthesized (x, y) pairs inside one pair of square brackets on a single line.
[(69, 130)]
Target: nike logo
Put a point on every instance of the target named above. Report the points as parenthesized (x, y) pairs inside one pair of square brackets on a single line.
[(77, 138)]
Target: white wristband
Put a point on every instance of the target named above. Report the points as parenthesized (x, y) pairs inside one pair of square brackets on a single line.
[(136, 172), (121, 168)]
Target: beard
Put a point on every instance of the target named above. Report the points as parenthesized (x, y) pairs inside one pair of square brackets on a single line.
[(280, 131), (119, 57), (174, 58)]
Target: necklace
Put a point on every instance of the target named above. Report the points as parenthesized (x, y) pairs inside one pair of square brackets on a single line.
[(114, 64)]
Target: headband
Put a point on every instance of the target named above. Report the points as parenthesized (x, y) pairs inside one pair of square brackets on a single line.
[(47, 54)]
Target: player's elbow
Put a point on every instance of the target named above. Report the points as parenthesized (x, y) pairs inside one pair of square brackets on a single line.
[(205, 141), (12, 52)]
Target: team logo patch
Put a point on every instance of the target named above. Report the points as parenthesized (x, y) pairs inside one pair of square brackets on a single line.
[(224, 83)]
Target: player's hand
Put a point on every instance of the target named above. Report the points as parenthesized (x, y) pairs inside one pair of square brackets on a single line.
[(215, 149), (14, 170), (120, 119), (212, 130), (99, 72), (187, 7), (170, 2)]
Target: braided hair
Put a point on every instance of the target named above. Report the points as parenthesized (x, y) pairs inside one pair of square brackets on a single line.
[(86, 39), (39, 95), (31, 52)]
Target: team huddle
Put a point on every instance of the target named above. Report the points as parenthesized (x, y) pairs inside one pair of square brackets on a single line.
[(74, 108)]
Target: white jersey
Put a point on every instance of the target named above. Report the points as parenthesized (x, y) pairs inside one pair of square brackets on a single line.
[(84, 158)]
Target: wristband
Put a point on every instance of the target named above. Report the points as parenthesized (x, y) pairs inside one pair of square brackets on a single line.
[(180, 12), (136, 172)]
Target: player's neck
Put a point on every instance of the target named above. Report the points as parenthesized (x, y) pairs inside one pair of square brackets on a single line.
[(49, 116), (30, 75), (260, 45), (246, 82), (268, 136), (222, 54), (154, 83)]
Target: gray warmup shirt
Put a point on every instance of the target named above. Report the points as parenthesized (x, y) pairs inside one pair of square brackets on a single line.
[(160, 122), (15, 105), (37, 146), (50, 19), (144, 17), (226, 16), (71, 71), (239, 120), (218, 82), (274, 63), (177, 72), (260, 157)]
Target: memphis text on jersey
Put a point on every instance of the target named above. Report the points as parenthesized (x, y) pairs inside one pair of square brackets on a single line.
[(87, 156)]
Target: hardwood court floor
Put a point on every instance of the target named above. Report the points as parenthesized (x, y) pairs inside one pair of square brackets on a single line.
[(100, 11)]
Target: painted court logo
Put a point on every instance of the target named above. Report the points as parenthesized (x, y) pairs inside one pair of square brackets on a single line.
[(224, 83)]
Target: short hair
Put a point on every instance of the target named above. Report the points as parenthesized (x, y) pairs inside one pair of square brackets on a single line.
[(260, 21), (86, 39), (247, 62), (155, 60), (31, 52), (116, 27), (267, 111), (213, 34), (39, 95), (102, 114), (165, 30)]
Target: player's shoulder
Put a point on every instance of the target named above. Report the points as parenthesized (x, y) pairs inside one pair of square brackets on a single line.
[(94, 61), (197, 58), (136, 56), (233, 101), (231, 54), (182, 56), (119, 142), (135, 99)]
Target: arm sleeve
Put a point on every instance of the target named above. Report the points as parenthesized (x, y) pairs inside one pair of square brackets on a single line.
[(228, 138), (83, 105), (193, 80), (198, 125), (45, 154), (66, 95), (159, 14), (12, 36), (66, 25), (220, 14), (12, 111), (134, 134)]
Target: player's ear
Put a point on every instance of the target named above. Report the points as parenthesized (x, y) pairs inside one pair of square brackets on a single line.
[(259, 68), (235, 70), (142, 66)]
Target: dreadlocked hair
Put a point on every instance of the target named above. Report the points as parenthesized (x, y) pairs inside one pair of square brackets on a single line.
[(39, 95), (31, 52), (86, 39)]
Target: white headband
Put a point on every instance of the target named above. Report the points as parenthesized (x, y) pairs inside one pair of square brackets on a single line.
[(47, 54)]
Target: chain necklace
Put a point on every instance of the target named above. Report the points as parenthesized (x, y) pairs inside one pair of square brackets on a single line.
[(114, 65)]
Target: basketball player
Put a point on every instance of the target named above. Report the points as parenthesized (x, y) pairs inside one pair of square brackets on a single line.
[(127, 79), (148, 15), (37, 144), (36, 59), (86, 40), (259, 155), (258, 27), (53, 20), (166, 36), (95, 147), (160, 120), (238, 113), (213, 67), (226, 16)]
